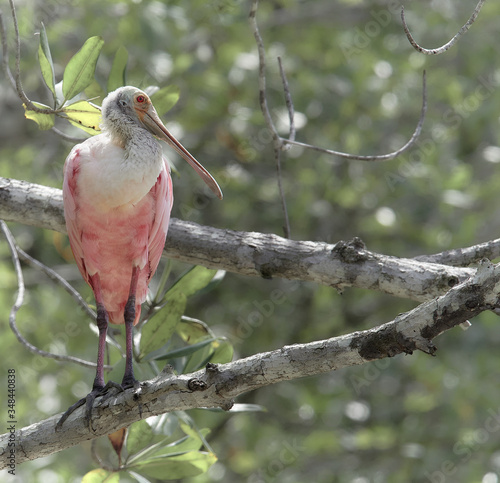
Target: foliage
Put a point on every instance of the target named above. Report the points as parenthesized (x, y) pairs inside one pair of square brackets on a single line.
[(356, 86)]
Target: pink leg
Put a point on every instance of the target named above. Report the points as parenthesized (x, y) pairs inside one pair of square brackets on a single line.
[(98, 388), (102, 325), (129, 315)]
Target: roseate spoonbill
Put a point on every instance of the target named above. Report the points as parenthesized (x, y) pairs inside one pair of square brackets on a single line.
[(117, 194)]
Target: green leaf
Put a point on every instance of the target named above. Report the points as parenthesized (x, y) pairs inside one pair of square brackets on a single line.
[(199, 359), (139, 436), (117, 73), (44, 121), (218, 277), (138, 477), (147, 452), (192, 330), (165, 98), (101, 476), (192, 442), (192, 463), (84, 115), (45, 60), (240, 408), (223, 352), (246, 408), (182, 445), (159, 329), (193, 280), (80, 70), (94, 92), (189, 431)]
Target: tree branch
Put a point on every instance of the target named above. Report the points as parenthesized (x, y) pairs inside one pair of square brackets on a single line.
[(5, 53), (451, 43), (462, 257), (289, 102), (19, 86), (344, 264), (376, 157), (277, 141), (218, 385)]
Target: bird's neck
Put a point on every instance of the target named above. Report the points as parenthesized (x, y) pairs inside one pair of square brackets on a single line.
[(122, 171), (140, 146)]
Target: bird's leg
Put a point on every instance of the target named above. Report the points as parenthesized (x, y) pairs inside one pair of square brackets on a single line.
[(98, 387), (102, 325), (129, 314)]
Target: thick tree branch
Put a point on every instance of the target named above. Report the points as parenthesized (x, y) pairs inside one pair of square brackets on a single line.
[(257, 254), (218, 385)]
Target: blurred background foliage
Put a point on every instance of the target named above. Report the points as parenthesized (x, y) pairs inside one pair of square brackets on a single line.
[(356, 86)]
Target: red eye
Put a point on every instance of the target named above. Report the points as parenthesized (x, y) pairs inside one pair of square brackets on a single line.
[(140, 99)]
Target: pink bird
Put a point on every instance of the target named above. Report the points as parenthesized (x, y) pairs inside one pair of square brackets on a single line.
[(117, 195)]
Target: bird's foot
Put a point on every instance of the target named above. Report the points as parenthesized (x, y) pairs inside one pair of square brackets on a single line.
[(88, 400)]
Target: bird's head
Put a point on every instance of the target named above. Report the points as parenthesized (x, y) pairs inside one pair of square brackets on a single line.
[(127, 107)]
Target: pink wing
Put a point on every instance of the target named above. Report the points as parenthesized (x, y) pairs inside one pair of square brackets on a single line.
[(71, 171), (163, 199), (163, 195)]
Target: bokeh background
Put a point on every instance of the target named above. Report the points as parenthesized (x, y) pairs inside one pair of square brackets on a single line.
[(356, 85)]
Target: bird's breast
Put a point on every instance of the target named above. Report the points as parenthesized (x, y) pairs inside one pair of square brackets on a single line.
[(112, 176)]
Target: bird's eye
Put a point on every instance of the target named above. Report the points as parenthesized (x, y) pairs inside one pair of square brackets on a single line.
[(123, 103), (140, 99)]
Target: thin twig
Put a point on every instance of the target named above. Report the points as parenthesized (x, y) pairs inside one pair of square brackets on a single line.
[(380, 157), (16, 81), (19, 302), (286, 225), (449, 44), (5, 53), (262, 75), (288, 100), (277, 141), (19, 86), (94, 452), (67, 137)]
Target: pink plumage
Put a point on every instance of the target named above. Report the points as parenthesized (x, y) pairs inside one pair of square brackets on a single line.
[(109, 241), (117, 194)]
